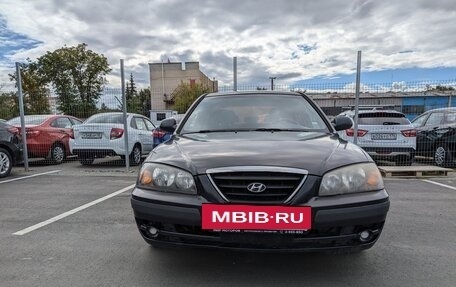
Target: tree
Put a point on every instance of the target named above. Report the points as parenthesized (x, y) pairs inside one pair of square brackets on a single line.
[(131, 88), (439, 88), (34, 89), (104, 108), (131, 95), (185, 94), (77, 75), (444, 88), (145, 101), (8, 106)]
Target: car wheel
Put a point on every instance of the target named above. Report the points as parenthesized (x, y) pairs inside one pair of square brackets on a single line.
[(442, 155), (6, 163), (135, 156), (57, 154), (86, 161)]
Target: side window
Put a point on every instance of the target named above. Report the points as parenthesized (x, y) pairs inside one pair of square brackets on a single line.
[(133, 124), (161, 116), (418, 122), (450, 118), (62, 123), (76, 121), (140, 124), (149, 124), (434, 119)]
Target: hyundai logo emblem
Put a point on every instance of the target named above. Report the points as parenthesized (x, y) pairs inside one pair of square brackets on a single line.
[(256, 187)]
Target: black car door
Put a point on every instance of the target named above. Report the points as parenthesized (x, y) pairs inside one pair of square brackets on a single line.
[(421, 141), (430, 133)]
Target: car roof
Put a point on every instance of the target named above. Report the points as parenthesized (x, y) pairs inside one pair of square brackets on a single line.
[(262, 92), (450, 109), (373, 111), (119, 113)]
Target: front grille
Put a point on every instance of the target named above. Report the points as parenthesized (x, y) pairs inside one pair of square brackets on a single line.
[(279, 185)]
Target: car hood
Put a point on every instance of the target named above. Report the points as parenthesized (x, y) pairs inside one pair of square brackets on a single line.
[(315, 152)]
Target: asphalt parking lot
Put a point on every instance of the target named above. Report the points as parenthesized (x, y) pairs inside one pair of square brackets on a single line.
[(68, 225)]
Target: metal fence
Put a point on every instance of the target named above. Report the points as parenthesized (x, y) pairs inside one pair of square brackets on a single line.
[(429, 141)]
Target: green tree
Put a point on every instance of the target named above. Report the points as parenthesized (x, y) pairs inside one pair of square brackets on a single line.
[(131, 88), (185, 94), (444, 88), (104, 108), (78, 75), (131, 95), (145, 101), (33, 88), (8, 106)]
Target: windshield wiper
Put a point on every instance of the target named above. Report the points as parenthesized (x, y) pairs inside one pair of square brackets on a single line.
[(216, 131), (280, 130), (248, 130)]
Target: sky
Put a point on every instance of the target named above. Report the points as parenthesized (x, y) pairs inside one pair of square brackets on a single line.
[(297, 41)]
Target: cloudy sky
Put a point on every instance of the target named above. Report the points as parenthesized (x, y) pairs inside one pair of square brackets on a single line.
[(295, 41)]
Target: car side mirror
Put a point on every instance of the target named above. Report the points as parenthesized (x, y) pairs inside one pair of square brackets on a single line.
[(168, 125), (341, 123)]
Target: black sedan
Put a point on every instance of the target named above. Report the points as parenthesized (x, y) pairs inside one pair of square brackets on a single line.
[(259, 171), (10, 148), (436, 135)]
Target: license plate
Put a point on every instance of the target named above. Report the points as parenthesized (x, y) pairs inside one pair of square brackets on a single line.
[(91, 135), (383, 136), (252, 217)]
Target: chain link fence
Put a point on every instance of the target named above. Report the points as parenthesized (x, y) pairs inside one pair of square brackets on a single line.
[(384, 130)]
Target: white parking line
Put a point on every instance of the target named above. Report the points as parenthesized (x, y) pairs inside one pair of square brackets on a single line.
[(73, 211), (440, 184), (29, 176)]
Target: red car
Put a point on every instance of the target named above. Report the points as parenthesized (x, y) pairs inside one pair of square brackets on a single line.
[(48, 135)]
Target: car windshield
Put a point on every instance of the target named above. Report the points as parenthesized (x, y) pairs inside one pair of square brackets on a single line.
[(254, 113), (105, 119), (29, 120)]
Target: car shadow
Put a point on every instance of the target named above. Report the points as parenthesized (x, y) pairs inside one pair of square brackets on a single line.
[(259, 267)]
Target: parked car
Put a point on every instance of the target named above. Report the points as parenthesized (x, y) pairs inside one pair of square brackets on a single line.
[(259, 171), (436, 135), (160, 136), (47, 135), (10, 148), (384, 134), (103, 135)]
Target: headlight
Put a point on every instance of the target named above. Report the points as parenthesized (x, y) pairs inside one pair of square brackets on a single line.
[(166, 178), (351, 179)]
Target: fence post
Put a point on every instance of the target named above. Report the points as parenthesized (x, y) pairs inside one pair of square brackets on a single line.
[(358, 80), (234, 73), (124, 109), (21, 111)]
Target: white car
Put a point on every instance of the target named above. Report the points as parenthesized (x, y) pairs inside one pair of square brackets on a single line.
[(103, 135), (384, 134)]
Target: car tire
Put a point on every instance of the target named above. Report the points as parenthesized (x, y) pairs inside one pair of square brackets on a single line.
[(57, 153), (135, 156), (442, 155), (86, 161), (6, 163)]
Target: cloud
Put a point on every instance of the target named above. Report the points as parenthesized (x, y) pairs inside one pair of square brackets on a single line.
[(292, 40)]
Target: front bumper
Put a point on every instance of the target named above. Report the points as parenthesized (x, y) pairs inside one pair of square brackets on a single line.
[(336, 223)]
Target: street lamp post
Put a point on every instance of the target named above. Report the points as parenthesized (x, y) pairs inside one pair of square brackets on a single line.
[(272, 82)]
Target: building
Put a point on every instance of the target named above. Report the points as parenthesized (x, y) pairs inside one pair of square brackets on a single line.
[(165, 77), (411, 104)]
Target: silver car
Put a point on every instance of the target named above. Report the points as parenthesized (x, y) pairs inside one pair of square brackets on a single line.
[(103, 135), (384, 134)]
